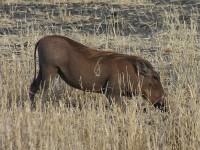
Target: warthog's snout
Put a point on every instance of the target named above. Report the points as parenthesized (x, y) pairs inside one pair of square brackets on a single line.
[(161, 104)]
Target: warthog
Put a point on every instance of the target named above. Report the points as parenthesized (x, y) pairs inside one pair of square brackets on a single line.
[(88, 69)]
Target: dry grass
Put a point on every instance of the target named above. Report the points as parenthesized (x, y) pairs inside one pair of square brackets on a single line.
[(93, 126)]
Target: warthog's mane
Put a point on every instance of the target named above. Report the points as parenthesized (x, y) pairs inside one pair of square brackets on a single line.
[(104, 55)]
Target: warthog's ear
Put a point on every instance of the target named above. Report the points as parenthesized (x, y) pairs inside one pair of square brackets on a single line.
[(141, 68)]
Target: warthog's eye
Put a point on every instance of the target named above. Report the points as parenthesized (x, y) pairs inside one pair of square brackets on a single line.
[(156, 78)]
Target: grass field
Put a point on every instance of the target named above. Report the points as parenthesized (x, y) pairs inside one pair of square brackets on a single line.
[(165, 34)]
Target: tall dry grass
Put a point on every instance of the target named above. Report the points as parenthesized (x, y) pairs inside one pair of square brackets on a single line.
[(91, 126)]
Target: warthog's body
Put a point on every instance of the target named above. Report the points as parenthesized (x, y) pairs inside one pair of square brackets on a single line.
[(87, 69)]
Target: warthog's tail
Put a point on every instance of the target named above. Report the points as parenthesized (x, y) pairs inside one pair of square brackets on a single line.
[(36, 45)]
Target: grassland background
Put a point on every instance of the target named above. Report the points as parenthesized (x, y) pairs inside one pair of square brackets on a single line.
[(167, 34)]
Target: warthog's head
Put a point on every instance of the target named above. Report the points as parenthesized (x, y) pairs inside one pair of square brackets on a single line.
[(150, 85)]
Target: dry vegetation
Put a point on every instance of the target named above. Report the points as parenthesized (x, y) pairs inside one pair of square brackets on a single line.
[(173, 48)]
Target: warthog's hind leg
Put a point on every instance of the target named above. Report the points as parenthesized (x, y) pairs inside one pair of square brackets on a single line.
[(34, 88), (48, 75), (45, 75)]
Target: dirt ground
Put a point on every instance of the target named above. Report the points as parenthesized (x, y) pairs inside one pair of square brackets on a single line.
[(98, 18)]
